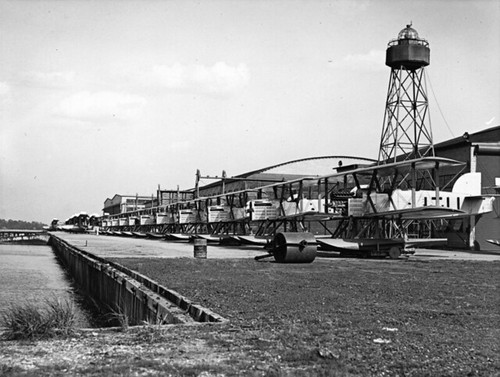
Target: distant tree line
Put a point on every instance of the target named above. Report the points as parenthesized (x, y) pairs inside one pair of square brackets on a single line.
[(19, 224)]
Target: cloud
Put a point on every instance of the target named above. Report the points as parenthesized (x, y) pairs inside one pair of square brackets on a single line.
[(179, 146), (4, 89), (5, 96), (100, 105), (370, 62), (219, 79), (350, 8), (51, 79)]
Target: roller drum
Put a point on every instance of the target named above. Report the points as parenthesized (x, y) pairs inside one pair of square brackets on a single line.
[(294, 247)]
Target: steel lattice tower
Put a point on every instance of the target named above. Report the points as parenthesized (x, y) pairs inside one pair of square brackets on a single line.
[(406, 133)]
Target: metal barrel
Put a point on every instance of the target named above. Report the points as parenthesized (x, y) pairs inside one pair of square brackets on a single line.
[(200, 248), (294, 247)]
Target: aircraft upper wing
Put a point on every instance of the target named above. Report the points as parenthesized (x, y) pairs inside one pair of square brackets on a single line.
[(423, 163), (421, 213)]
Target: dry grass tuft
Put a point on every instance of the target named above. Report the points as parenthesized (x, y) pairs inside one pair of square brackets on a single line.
[(34, 321)]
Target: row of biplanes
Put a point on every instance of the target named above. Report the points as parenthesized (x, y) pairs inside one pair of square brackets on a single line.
[(370, 210)]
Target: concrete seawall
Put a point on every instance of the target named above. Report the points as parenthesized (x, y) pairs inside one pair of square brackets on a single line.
[(126, 292)]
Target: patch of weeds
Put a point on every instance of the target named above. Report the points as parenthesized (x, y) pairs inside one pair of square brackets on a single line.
[(62, 314), (146, 367), (202, 369), (40, 353), (302, 355), (31, 321), (123, 369), (6, 370), (151, 332), (120, 316)]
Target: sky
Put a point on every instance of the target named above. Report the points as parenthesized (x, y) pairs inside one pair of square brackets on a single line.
[(99, 98)]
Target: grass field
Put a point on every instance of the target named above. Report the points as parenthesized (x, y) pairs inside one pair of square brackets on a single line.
[(330, 318), (357, 316)]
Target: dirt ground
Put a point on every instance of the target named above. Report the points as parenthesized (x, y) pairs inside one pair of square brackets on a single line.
[(333, 317)]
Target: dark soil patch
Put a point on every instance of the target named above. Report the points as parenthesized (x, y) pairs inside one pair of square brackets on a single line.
[(338, 317)]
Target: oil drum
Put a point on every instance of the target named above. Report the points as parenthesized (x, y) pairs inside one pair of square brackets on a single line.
[(293, 247), (200, 248)]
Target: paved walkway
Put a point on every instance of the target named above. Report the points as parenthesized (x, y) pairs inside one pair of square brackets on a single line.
[(456, 254), (131, 247), (128, 247)]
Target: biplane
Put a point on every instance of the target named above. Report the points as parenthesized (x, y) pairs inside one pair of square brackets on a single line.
[(78, 223)]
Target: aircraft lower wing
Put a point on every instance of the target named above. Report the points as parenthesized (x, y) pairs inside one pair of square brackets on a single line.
[(208, 237), (177, 237), (339, 244), (252, 240)]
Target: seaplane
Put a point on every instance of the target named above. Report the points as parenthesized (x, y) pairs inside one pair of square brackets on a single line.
[(78, 223)]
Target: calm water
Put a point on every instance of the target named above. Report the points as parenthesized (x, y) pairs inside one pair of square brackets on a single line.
[(31, 273)]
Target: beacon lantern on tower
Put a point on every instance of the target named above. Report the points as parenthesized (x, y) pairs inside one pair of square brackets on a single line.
[(406, 132)]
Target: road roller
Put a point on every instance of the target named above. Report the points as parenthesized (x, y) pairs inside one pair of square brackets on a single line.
[(292, 247)]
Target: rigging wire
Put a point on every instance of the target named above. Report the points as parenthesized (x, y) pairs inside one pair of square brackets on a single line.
[(439, 107)]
